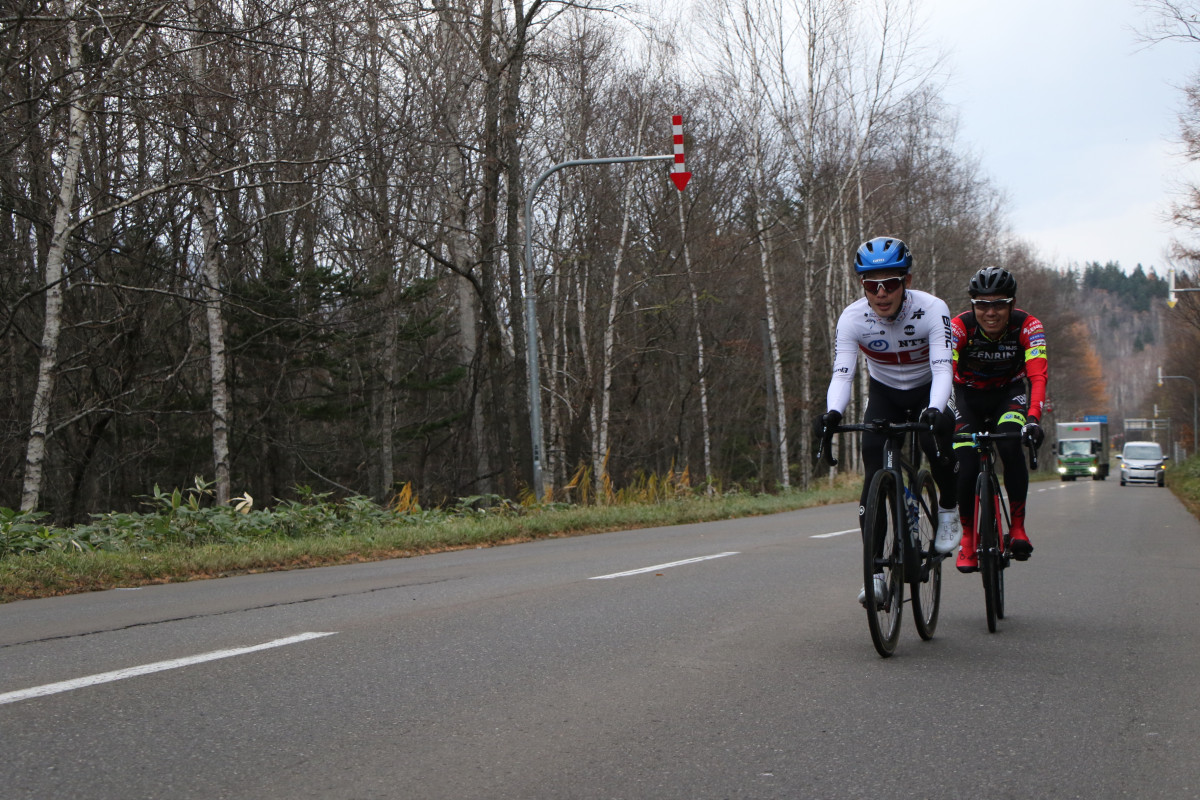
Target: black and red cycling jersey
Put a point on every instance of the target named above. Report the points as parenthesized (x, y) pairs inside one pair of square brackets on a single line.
[(981, 362)]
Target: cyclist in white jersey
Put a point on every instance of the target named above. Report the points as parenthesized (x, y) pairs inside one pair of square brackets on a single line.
[(904, 335)]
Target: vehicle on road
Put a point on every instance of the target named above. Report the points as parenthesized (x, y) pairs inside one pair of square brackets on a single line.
[(1143, 462), (1082, 450)]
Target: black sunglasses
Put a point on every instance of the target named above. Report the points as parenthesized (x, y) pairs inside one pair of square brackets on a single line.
[(984, 305), (889, 284)]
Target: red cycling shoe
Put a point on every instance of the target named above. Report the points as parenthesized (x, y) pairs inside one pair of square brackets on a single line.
[(968, 559), (1019, 541)]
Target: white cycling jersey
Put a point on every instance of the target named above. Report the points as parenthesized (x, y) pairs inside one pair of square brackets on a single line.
[(904, 352)]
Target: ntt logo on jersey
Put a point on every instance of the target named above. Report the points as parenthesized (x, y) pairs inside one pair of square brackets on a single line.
[(878, 344)]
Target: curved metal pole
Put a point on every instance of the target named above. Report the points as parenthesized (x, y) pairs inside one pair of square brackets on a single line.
[(531, 329)]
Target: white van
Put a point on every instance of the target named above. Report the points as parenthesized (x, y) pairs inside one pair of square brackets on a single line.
[(1143, 462)]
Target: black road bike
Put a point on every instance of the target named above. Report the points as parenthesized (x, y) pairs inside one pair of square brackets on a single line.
[(992, 521), (899, 523)]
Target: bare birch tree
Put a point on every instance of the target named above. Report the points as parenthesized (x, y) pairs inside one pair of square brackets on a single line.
[(81, 98), (745, 30)]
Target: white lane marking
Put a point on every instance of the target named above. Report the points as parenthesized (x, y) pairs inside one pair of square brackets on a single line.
[(146, 669), (835, 533), (660, 566)]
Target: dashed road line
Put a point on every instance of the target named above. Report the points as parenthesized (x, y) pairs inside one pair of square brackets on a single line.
[(660, 566), (146, 669)]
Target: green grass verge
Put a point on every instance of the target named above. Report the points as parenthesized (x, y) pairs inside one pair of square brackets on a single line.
[(1184, 480), (67, 571)]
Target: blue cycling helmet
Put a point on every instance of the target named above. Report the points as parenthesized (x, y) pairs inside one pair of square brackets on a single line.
[(882, 252)]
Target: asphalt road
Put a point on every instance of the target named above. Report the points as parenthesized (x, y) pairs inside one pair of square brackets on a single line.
[(540, 671)]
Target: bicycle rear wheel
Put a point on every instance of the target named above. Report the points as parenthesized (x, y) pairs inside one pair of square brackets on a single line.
[(882, 555), (926, 585), (989, 562)]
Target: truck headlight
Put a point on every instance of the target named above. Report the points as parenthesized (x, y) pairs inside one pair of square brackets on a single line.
[(1062, 470), (1092, 470)]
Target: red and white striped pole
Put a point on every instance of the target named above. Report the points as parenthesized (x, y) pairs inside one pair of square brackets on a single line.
[(678, 172)]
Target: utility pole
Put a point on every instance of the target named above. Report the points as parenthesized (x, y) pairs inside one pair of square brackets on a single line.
[(680, 178), (1195, 433)]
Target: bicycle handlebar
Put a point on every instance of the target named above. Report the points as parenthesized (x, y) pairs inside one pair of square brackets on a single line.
[(883, 426), (985, 436), (877, 426)]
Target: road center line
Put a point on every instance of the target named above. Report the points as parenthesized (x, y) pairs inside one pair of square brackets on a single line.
[(835, 533), (146, 669), (660, 566)]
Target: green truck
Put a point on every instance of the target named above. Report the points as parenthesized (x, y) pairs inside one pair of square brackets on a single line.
[(1083, 450)]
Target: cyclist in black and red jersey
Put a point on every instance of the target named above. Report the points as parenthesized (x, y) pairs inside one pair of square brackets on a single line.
[(997, 351)]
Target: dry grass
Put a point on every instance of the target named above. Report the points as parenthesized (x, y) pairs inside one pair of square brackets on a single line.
[(50, 573)]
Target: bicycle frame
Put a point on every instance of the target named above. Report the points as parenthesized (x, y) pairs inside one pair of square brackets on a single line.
[(992, 520), (900, 437)]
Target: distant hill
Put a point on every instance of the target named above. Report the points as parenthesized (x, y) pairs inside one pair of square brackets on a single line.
[(1124, 316)]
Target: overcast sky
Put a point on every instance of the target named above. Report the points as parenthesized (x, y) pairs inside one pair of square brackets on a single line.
[(1072, 117)]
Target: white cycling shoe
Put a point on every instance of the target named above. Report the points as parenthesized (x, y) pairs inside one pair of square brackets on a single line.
[(949, 532), (880, 591)]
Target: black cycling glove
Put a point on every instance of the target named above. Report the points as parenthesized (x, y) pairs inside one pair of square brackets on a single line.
[(823, 435), (1033, 433)]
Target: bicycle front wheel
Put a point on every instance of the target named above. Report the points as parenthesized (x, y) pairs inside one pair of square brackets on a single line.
[(882, 556), (989, 553), (926, 585), (1002, 545)]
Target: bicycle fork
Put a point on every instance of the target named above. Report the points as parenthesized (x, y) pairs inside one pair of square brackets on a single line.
[(998, 548)]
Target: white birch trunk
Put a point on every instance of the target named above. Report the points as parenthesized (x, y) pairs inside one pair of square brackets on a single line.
[(600, 453), (776, 360), (705, 430), (39, 427), (554, 357), (581, 305), (211, 266), (806, 316), (216, 345)]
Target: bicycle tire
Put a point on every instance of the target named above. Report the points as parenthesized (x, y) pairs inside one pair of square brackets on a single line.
[(881, 528), (985, 529), (926, 585)]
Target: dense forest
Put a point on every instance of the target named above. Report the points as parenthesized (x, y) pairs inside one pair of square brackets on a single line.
[(281, 244)]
